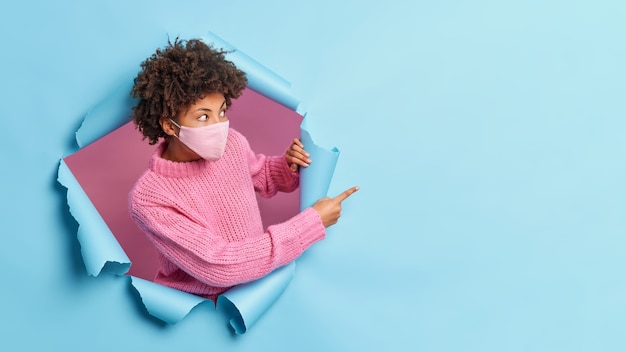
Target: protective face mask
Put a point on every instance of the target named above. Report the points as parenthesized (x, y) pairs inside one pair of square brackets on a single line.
[(208, 141)]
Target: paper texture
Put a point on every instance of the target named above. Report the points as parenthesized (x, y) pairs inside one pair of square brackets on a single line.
[(165, 303), (244, 304), (315, 179), (108, 115), (98, 246), (259, 77)]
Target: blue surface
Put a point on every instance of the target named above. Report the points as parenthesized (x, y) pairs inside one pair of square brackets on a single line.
[(487, 139)]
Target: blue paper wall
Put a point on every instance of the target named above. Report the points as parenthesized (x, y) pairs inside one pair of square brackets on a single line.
[(487, 138)]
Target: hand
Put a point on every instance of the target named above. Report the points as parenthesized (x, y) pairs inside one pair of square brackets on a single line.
[(296, 156), (329, 209)]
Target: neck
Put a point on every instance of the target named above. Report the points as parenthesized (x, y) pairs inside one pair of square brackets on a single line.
[(177, 151)]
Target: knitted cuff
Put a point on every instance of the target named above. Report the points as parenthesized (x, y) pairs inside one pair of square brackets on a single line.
[(312, 228)]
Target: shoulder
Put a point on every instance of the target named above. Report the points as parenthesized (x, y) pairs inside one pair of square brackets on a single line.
[(152, 189), (145, 186)]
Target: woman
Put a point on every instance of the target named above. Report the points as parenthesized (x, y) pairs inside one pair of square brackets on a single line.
[(196, 202)]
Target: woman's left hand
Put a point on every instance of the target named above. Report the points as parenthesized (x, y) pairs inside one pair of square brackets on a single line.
[(296, 156)]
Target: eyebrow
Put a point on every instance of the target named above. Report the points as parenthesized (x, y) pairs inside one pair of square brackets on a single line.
[(207, 109)]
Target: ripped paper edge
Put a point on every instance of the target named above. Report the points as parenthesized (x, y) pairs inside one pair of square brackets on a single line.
[(100, 250)]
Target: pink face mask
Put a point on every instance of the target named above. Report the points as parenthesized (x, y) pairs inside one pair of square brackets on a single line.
[(208, 141)]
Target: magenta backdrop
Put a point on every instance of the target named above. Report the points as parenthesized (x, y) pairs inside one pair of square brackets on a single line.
[(108, 168)]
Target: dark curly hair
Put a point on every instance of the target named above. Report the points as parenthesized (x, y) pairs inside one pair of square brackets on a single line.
[(176, 77)]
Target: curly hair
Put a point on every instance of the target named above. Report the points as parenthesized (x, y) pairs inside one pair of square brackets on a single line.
[(176, 77)]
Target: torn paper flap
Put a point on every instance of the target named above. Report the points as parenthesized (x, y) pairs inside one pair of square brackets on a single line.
[(98, 245)]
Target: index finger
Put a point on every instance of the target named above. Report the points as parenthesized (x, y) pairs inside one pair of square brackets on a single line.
[(347, 193)]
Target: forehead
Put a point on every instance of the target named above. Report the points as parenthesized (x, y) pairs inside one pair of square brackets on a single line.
[(208, 102)]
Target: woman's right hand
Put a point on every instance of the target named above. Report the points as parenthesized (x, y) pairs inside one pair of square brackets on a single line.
[(329, 209)]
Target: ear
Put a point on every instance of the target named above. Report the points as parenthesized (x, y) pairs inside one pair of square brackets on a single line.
[(168, 127)]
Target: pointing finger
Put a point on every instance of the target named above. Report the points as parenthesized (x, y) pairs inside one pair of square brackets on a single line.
[(347, 193)]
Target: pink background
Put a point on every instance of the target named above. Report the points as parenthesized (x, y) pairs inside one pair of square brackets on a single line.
[(108, 168)]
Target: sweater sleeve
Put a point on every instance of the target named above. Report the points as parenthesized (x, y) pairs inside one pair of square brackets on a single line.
[(271, 174), (209, 258)]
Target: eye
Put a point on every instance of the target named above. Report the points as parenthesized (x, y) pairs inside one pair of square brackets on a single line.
[(222, 113), (203, 118)]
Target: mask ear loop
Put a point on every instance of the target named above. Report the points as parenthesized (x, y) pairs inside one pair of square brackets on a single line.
[(177, 125)]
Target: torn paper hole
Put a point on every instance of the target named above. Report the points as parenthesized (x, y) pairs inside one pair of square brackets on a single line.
[(112, 156)]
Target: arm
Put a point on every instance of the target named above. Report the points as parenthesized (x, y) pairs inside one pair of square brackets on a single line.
[(271, 174), (210, 259)]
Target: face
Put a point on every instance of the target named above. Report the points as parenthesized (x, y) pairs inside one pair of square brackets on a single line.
[(205, 111)]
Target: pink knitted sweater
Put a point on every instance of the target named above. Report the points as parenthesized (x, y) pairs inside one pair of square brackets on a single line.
[(204, 220)]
